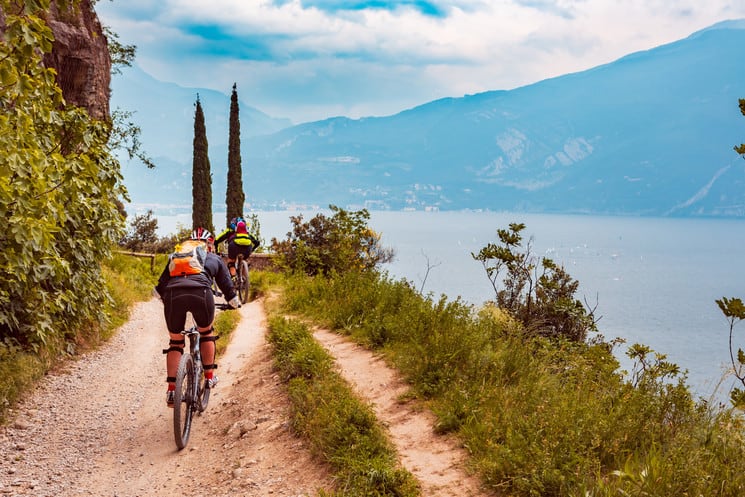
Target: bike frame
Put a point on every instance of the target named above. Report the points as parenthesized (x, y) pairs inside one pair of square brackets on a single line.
[(195, 350)]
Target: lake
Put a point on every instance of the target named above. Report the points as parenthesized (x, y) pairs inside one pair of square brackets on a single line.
[(654, 280)]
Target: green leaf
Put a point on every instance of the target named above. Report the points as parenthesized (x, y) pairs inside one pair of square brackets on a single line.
[(732, 308)]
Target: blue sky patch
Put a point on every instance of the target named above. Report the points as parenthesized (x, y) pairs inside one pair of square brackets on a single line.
[(219, 42), (423, 6)]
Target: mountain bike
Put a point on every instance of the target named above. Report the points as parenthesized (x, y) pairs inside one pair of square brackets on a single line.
[(242, 278), (192, 392)]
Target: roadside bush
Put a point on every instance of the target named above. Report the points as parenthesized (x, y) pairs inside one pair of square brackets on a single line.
[(61, 185), (142, 236), (324, 245), (143, 231), (538, 294)]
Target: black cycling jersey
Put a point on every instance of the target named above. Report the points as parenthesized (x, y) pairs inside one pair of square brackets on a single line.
[(215, 269)]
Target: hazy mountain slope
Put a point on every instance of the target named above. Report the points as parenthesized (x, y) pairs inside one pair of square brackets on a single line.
[(643, 135), (165, 114), (651, 133)]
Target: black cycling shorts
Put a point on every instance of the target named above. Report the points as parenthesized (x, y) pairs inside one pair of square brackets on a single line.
[(178, 301), (234, 249)]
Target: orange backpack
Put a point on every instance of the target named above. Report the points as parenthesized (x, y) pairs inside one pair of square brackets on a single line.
[(188, 258)]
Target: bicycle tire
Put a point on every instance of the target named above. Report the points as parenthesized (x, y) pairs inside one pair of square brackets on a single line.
[(183, 400), (244, 282), (205, 396)]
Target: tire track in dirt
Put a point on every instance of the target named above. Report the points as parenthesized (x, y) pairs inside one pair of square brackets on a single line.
[(438, 462)]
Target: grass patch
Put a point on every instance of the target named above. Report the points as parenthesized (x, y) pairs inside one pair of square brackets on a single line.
[(129, 280), (18, 372), (263, 281), (227, 321), (341, 429), (225, 324), (538, 416)]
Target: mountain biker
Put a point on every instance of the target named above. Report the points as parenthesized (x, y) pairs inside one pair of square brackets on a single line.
[(193, 293), (240, 241)]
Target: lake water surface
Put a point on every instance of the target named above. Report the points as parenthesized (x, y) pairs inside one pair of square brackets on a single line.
[(654, 280)]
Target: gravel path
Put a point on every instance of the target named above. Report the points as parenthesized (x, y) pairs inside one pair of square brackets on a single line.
[(100, 426)]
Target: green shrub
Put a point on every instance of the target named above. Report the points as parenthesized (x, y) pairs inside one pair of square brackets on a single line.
[(538, 294), (142, 236), (59, 196), (325, 245)]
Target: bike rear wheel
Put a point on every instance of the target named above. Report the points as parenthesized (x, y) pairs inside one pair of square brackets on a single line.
[(244, 282), (184, 399), (205, 393)]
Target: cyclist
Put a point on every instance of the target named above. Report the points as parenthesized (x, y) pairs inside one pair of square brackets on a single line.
[(240, 241), (193, 293)]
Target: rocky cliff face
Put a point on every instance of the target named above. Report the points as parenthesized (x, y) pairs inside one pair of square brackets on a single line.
[(80, 56)]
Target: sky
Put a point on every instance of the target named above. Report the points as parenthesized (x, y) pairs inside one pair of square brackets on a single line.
[(308, 60)]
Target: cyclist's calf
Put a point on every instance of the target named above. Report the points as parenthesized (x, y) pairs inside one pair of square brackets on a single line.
[(207, 351), (172, 360)]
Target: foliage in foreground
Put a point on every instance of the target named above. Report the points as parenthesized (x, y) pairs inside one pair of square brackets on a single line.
[(340, 428), (539, 416), (59, 194)]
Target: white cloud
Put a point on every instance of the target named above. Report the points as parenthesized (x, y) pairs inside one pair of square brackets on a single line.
[(308, 63)]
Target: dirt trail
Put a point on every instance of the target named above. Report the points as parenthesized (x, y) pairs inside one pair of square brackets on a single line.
[(101, 428), (436, 461)]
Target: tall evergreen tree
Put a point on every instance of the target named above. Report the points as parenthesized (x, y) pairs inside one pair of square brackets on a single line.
[(201, 178), (234, 196)]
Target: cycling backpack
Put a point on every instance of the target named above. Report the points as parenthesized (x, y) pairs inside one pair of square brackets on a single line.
[(189, 258)]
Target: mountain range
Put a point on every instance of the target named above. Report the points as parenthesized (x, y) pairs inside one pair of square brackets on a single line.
[(649, 134)]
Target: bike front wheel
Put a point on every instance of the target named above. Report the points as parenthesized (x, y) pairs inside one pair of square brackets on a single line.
[(244, 282), (184, 399)]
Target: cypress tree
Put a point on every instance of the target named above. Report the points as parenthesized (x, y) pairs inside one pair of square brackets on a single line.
[(234, 196), (201, 179)]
